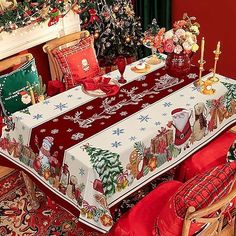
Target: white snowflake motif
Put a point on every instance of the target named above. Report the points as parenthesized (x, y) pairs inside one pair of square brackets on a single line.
[(121, 95), (55, 120), (102, 123), (55, 131), (145, 105), (192, 76), (144, 84), (89, 107), (124, 113), (38, 116), (61, 147), (141, 78), (69, 130), (170, 90), (77, 136), (151, 96)]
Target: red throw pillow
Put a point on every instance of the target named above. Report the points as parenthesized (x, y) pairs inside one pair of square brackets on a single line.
[(200, 191), (77, 62)]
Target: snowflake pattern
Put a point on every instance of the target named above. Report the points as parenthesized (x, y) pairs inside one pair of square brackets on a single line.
[(124, 113), (145, 105), (143, 118), (46, 102), (81, 171), (167, 104), (192, 76), (157, 123), (69, 95), (118, 132), (142, 129), (77, 136), (55, 131), (144, 84), (192, 98), (89, 108), (19, 118), (38, 116), (55, 120), (116, 144), (132, 138), (60, 106), (69, 130)]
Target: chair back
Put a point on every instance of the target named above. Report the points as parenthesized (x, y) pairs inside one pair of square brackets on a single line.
[(14, 61), (58, 42), (211, 216)]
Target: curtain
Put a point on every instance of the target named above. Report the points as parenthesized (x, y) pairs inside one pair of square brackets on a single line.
[(149, 9)]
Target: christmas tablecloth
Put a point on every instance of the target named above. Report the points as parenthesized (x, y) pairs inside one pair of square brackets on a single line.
[(93, 152)]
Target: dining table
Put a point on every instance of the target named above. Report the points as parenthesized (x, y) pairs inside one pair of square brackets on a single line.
[(91, 150)]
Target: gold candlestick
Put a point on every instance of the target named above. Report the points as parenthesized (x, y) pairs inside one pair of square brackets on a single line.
[(217, 53)]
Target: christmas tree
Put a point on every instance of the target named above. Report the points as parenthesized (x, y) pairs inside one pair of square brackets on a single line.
[(107, 165), (230, 95), (114, 25)]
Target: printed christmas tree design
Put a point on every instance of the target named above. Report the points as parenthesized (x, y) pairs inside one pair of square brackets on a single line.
[(107, 165), (230, 95)]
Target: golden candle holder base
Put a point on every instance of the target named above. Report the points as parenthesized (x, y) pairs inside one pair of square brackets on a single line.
[(205, 86), (154, 60), (214, 79)]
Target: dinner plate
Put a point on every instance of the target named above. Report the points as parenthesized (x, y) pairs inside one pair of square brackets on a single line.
[(144, 70)]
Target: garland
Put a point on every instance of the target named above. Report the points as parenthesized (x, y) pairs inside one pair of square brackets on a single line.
[(14, 15)]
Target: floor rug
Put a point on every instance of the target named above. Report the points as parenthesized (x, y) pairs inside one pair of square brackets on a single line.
[(18, 219)]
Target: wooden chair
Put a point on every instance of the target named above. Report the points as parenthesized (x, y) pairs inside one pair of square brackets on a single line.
[(215, 221), (4, 65), (14, 61), (58, 42)]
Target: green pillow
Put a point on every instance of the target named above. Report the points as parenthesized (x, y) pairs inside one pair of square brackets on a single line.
[(15, 87)]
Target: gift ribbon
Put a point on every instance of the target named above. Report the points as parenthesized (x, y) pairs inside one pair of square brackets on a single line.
[(101, 83)]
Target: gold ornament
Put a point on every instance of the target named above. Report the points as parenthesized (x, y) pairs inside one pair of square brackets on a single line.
[(128, 39), (96, 34), (116, 8), (129, 11)]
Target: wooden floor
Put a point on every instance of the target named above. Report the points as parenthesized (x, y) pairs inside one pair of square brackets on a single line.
[(228, 231)]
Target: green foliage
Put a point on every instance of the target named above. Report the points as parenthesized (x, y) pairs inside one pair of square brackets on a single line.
[(107, 165)]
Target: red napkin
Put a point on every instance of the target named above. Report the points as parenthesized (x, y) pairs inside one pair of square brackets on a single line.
[(101, 83)]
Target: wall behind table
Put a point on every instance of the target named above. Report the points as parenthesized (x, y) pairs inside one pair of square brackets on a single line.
[(217, 19)]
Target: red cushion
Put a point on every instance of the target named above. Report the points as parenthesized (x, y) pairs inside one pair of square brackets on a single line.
[(211, 155), (200, 191), (140, 219), (77, 62)]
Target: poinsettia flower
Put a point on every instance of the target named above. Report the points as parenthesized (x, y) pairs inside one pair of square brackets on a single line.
[(169, 46)]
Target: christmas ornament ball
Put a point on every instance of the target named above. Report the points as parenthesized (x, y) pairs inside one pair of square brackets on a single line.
[(96, 34), (116, 8), (127, 39)]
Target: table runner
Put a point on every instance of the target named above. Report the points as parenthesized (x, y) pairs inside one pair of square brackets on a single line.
[(110, 147)]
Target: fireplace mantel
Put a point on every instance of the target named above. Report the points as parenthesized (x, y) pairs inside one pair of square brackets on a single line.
[(30, 36)]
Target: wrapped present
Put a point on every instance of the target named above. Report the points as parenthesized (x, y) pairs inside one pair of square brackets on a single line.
[(163, 139)]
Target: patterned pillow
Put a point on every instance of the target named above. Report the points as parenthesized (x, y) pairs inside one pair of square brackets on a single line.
[(77, 62), (200, 191), (15, 87)]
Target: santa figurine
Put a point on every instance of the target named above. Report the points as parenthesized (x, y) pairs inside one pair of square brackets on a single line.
[(25, 97), (182, 126)]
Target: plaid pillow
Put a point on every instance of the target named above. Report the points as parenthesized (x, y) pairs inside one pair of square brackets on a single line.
[(204, 189), (77, 62), (200, 191)]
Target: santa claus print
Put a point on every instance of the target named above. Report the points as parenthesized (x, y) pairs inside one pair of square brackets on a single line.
[(25, 97), (182, 126)]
